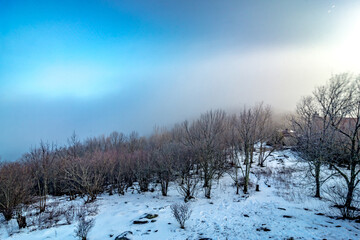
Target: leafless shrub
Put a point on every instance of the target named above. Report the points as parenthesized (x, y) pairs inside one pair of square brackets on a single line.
[(262, 173), (337, 194), (91, 209), (241, 182), (84, 224), (266, 175), (284, 176), (69, 215), (54, 215), (286, 187), (181, 212), (188, 186), (46, 219)]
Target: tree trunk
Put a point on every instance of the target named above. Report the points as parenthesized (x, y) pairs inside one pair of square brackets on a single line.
[(8, 213), (207, 187), (317, 178), (164, 187), (351, 188), (261, 155), (247, 171), (237, 187), (349, 195)]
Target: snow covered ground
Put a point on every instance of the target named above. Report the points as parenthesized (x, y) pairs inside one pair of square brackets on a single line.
[(283, 209)]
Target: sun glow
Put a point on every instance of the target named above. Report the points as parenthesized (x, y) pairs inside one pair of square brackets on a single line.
[(347, 51)]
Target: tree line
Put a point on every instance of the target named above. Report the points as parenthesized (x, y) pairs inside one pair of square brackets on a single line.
[(191, 154)]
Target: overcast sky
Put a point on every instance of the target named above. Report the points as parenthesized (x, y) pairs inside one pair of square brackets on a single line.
[(98, 66)]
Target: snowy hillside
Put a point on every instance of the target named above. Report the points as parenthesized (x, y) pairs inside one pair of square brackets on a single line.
[(283, 209)]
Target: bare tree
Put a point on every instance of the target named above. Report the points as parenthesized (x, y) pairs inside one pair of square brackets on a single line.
[(41, 161), (85, 175), (234, 151), (315, 136), (331, 121), (342, 93), (124, 172), (14, 187), (143, 168), (206, 137), (265, 132), (247, 124), (165, 152)]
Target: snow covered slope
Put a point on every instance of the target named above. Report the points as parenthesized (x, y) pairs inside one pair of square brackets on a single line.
[(283, 209)]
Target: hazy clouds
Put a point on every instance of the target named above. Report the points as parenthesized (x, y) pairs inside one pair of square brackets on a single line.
[(95, 67)]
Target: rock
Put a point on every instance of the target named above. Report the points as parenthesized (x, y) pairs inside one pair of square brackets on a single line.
[(153, 220), (265, 229), (151, 216), (205, 238), (122, 238), (320, 214), (124, 235), (140, 222)]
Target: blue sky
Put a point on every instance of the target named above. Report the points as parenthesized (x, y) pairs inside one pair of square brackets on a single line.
[(98, 66)]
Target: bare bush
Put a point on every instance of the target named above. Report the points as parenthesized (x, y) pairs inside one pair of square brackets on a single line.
[(337, 194), (188, 186), (286, 187), (69, 214), (91, 209), (181, 212), (84, 224)]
